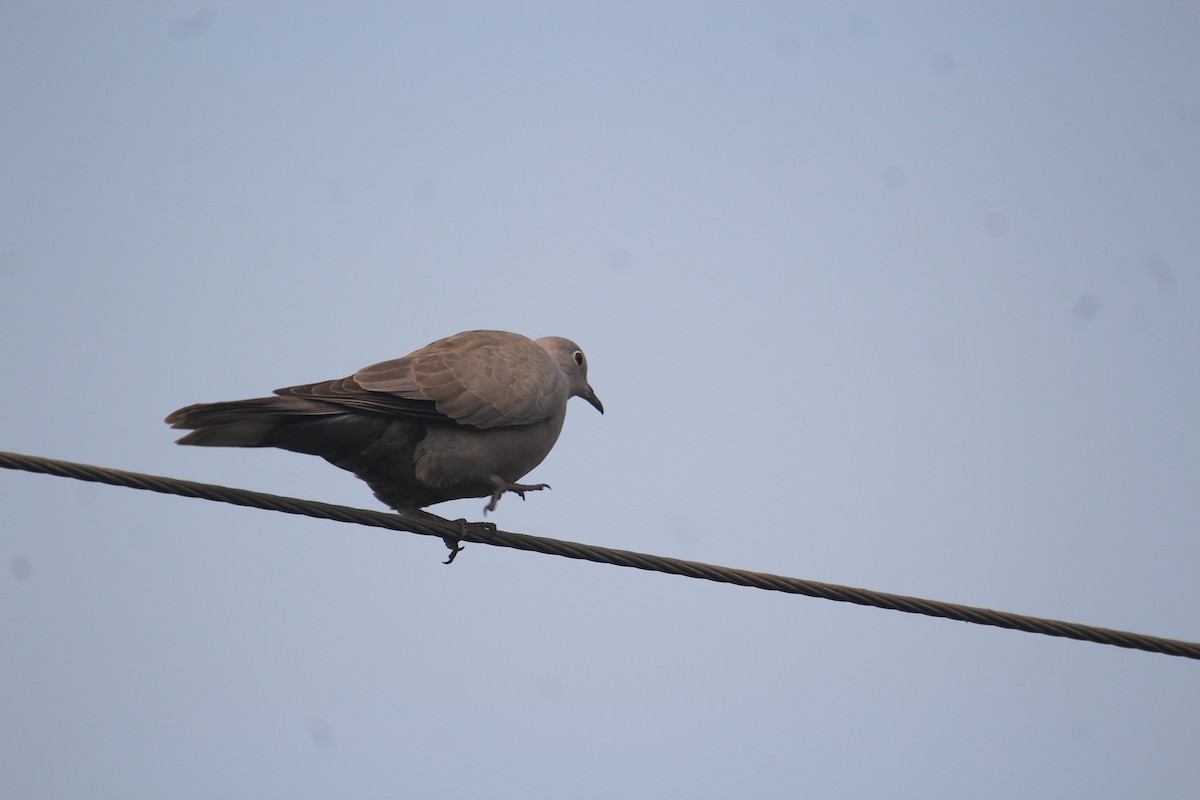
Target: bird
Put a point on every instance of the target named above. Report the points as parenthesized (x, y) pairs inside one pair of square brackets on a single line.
[(465, 416)]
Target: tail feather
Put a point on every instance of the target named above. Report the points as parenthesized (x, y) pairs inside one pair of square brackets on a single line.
[(243, 423)]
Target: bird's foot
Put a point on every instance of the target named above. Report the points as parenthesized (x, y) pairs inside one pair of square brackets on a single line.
[(502, 486), (454, 543)]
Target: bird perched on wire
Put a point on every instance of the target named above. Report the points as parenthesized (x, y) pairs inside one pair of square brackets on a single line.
[(465, 416)]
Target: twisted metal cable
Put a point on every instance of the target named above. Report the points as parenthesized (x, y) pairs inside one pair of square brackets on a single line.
[(451, 532)]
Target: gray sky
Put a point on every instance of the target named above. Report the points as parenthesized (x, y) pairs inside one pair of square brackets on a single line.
[(901, 295)]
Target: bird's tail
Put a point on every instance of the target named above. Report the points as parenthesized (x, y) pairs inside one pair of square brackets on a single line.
[(244, 423)]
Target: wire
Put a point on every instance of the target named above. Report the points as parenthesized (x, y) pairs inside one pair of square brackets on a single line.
[(453, 532)]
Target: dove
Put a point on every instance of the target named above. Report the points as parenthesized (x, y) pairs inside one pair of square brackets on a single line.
[(466, 416)]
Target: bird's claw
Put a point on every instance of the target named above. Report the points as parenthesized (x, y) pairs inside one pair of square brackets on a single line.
[(537, 487), (454, 543), (454, 546), (519, 489)]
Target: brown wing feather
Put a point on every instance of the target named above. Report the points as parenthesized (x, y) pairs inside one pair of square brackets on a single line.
[(485, 379), (346, 394)]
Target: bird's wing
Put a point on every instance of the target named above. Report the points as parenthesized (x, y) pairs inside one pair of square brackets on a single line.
[(485, 379)]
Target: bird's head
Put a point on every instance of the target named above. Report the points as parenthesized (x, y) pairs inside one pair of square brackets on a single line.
[(573, 363)]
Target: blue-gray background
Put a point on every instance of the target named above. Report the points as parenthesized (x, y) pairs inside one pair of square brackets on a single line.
[(902, 296)]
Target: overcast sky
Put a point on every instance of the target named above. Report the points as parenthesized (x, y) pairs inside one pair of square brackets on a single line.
[(896, 295)]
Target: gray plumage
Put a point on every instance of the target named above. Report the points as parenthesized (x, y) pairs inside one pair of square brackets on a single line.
[(465, 416)]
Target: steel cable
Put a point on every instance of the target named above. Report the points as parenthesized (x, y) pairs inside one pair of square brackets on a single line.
[(451, 532)]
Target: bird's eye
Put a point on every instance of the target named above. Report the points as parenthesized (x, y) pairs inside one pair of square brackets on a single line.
[(579, 357)]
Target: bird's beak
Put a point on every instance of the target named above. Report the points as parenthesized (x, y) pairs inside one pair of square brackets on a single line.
[(590, 396)]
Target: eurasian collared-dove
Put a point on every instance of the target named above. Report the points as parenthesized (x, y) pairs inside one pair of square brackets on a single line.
[(465, 416)]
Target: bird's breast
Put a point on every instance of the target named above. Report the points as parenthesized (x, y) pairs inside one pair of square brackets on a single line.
[(450, 455)]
